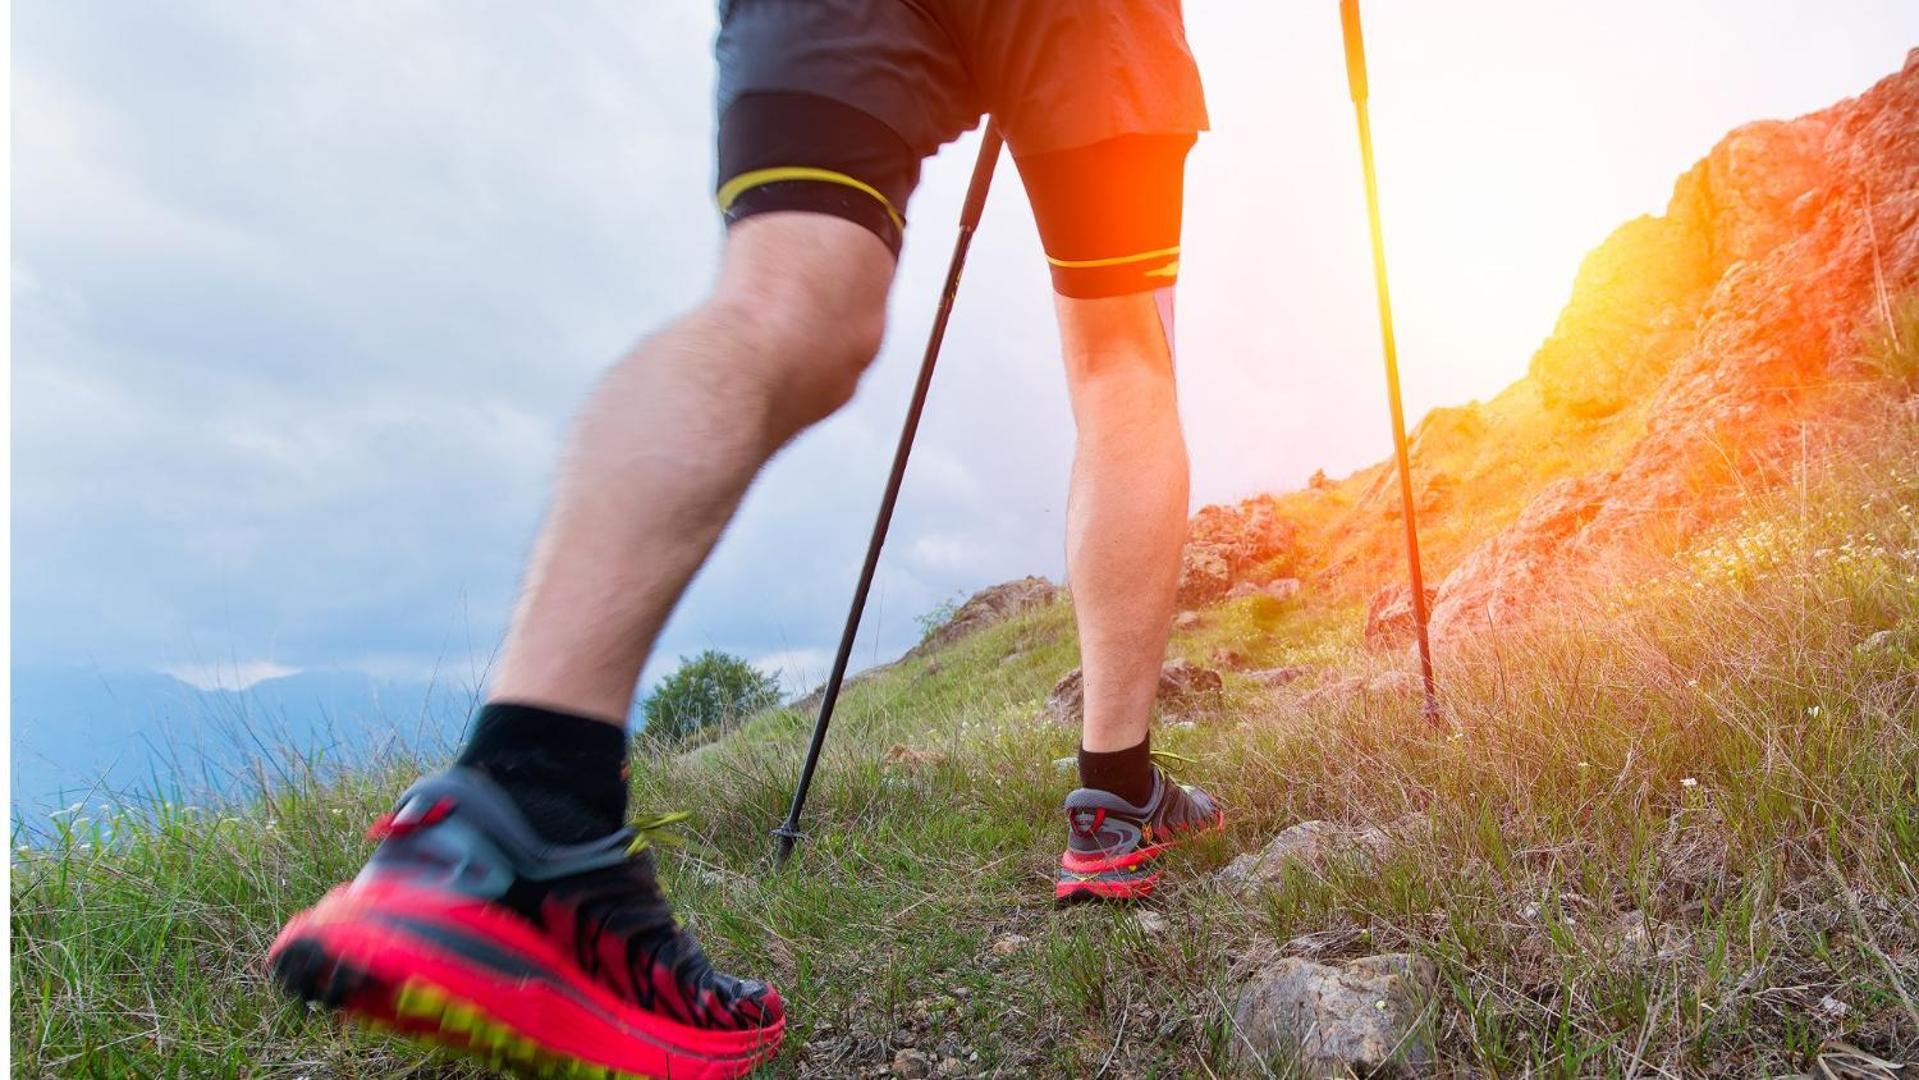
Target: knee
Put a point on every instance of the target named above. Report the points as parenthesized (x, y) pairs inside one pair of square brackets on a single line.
[(812, 341)]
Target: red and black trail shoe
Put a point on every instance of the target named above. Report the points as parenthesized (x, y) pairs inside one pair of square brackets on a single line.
[(467, 929), (1110, 842)]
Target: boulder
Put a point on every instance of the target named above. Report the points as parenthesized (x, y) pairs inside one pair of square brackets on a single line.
[(1183, 685), (1366, 1017), (988, 607)]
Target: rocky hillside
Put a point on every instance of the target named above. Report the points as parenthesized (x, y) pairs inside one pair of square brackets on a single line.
[(1704, 354)]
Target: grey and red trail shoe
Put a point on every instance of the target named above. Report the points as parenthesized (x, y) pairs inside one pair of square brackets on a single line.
[(1110, 843), (467, 928)]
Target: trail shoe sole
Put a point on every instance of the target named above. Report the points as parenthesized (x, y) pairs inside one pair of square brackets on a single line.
[(1111, 843), (467, 930)]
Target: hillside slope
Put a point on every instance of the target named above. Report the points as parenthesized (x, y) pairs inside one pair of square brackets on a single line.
[(1702, 356)]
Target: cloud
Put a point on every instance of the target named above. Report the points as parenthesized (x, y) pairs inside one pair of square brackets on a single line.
[(235, 675)]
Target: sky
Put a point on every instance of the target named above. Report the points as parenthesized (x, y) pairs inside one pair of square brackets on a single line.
[(304, 295)]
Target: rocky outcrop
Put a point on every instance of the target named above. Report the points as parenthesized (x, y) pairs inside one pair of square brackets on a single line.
[(1731, 323), (989, 607), (1365, 1017), (1225, 545)]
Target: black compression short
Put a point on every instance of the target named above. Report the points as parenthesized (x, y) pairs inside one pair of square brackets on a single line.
[(829, 106)]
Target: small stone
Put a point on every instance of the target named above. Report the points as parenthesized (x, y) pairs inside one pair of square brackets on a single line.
[(952, 1066), (1007, 944), (1833, 1007), (1879, 641), (1066, 764), (1151, 923), (961, 992), (1228, 658), (1182, 725), (902, 1037), (912, 1064)]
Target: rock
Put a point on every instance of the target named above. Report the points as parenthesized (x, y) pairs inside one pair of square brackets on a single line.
[(912, 1064), (1066, 764), (1007, 944), (1278, 676), (1183, 685), (1151, 923), (1503, 580), (1306, 842), (1230, 659), (1880, 641), (1226, 544), (1721, 337), (952, 1066), (1312, 843), (988, 607), (1066, 701), (1364, 1017), (1390, 619)]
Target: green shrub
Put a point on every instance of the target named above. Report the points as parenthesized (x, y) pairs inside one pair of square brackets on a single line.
[(711, 688)]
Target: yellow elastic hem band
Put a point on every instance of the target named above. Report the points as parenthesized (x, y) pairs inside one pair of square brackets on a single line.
[(1079, 264), (739, 185)]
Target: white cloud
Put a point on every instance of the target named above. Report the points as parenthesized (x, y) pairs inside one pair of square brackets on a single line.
[(228, 675)]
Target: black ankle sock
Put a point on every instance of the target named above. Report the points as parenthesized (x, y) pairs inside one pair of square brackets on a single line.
[(563, 771), (1126, 773)]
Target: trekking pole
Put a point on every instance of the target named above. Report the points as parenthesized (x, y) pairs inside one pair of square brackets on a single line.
[(789, 830), (1356, 81)]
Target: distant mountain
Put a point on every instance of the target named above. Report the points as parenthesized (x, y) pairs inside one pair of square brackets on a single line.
[(106, 737)]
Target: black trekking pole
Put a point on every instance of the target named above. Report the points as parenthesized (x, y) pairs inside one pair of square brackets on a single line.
[(789, 830), (1356, 81)]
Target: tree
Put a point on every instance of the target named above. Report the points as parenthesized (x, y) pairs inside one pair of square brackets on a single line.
[(707, 689)]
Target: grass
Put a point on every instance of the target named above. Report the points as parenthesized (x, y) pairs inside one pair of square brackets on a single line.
[(1675, 831)]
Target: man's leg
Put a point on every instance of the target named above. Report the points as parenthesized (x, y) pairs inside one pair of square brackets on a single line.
[(1109, 215), (1125, 512), (512, 870), (663, 452)]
